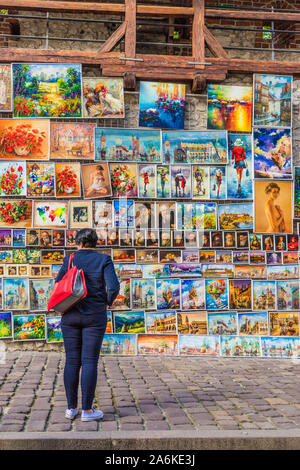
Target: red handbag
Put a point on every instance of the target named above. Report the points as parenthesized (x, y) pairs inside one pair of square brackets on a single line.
[(69, 290)]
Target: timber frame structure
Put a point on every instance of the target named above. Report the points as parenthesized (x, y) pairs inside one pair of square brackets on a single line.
[(196, 68)]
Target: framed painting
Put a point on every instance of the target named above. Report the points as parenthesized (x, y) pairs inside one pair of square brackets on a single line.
[(52, 256), (124, 180), (192, 293), (200, 182), (199, 345), (192, 323), (102, 214), (103, 98), (16, 294), (143, 294), (33, 256), (16, 270), (47, 90), (168, 294), (26, 139), (229, 107), (272, 153), (224, 323), (145, 217), (240, 346), (280, 347), (5, 87), (163, 181), (5, 256), (39, 270), (32, 237), (124, 256), (147, 181), (40, 291), (251, 272), (283, 271), (123, 213), (12, 178), (5, 325), (122, 301), (181, 181), (129, 322), (217, 179), (80, 214), (161, 322), (288, 295), (67, 179), (161, 105), (53, 330), (40, 179), (240, 294), (255, 324), (158, 345), (119, 344), (239, 170), (109, 323), (216, 294), (284, 323), (272, 100), (297, 192), (264, 295), (95, 180), (236, 216), (203, 147), (50, 214), (5, 238), (72, 140), (29, 327), (16, 213)]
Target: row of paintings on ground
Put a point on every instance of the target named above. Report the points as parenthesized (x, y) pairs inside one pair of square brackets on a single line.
[(59, 90)]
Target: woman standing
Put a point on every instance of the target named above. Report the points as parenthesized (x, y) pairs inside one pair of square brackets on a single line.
[(84, 325), (239, 160)]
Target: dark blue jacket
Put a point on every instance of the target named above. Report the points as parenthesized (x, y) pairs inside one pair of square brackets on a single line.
[(100, 277)]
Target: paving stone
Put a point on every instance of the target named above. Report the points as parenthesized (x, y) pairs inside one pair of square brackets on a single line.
[(60, 427), (35, 426), (131, 427), (109, 426)]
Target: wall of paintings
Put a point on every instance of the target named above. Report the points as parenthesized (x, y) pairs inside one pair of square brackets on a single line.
[(199, 223)]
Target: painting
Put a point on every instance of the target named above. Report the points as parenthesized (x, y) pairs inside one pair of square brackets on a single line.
[(280, 347), (220, 270), (297, 192), (253, 324), (203, 147), (5, 87), (236, 216), (5, 256), (163, 187), (251, 272), (239, 170), (272, 153), (50, 214), (5, 320), (216, 294), (47, 90), (33, 256), (217, 178), (119, 345), (32, 237), (166, 215), (193, 216), (283, 272), (284, 323), (192, 323), (124, 256), (127, 145), (240, 346), (161, 322), (196, 345), (19, 237), (103, 98), (102, 214), (264, 295), (129, 270), (240, 294), (146, 180), (161, 105), (109, 323), (80, 214), (158, 345), (15, 213), (122, 301), (26, 139), (53, 330), (224, 323), (52, 256), (40, 179), (255, 241), (181, 181), (38, 270), (58, 238), (68, 179), (192, 294), (129, 322), (19, 255), (123, 213), (168, 294), (72, 140), (29, 327), (15, 294), (40, 291), (5, 238), (273, 207), (143, 294), (272, 100), (124, 180), (145, 218), (288, 295), (200, 182), (12, 178), (95, 180), (229, 108)]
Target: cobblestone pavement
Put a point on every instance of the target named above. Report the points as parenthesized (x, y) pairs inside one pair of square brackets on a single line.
[(154, 393)]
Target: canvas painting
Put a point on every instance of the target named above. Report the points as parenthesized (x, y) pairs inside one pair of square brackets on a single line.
[(229, 107), (217, 179), (143, 294), (19, 256), (122, 301), (161, 105), (255, 241), (283, 272), (161, 322), (124, 256), (52, 256), (124, 180), (272, 153), (239, 170), (236, 216), (29, 327), (297, 192), (119, 345), (72, 140), (32, 237), (47, 90), (80, 214), (5, 87), (252, 272), (200, 182), (216, 294), (102, 214), (224, 323), (103, 98), (145, 216), (67, 180), (38, 270), (15, 294), (203, 147), (253, 324), (192, 323), (12, 178), (240, 346), (272, 100), (168, 294), (280, 347), (284, 323), (166, 215), (40, 179), (240, 294), (40, 291), (33, 256), (264, 295), (53, 330), (196, 345), (192, 294), (129, 270), (15, 213), (109, 323), (129, 322), (95, 180), (127, 145), (26, 139), (5, 324), (50, 214), (273, 207), (158, 345), (163, 181), (5, 256), (288, 295), (123, 213), (181, 186), (147, 180), (5, 238)]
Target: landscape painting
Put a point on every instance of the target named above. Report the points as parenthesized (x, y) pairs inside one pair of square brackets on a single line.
[(129, 322), (235, 216), (122, 301), (5, 325), (72, 140), (240, 346), (272, 153), (5, 87), (47, 90), (196, 345), (119, 345), (103, 98), (264, 295), (158, 345), (192, 323), (29, 327), (161, 105), (53, 330)]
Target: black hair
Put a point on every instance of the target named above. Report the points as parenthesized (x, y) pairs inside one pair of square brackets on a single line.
[(271, 186), (87, 237)]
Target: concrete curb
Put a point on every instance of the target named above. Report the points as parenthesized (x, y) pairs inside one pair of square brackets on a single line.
[(148, 440)]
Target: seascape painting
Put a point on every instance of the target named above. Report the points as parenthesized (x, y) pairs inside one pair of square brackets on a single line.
[(235, 216), (280, 347), (103, 98)]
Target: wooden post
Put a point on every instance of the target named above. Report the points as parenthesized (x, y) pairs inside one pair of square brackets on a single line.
[(130, 35), (198, 31)]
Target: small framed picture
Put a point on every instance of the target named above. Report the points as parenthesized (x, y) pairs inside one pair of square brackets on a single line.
[(80, 214)]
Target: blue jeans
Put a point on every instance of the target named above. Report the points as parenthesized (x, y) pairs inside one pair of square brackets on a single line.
[(83, 335)]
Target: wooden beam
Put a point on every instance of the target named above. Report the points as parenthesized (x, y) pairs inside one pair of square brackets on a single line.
[(199, 84), (113, 39), (130, 35), (198, 45), (252, 15), (214, 46)]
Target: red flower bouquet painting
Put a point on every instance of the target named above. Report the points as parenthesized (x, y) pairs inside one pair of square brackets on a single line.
[(16, 213), (26, 139)]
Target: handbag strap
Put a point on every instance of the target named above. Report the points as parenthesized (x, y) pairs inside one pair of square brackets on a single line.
[(71, 257)]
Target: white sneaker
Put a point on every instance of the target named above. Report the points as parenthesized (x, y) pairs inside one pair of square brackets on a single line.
[(97, 414), (71, 413)]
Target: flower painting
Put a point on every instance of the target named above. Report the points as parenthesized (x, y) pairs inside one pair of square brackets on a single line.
[(54, 333), (272, 153), (162, 105), (15, 213), (15, 294), (12, 178), (40, 179), (47, 90), (5, 87), (29, 327), (72, 140), (26, 139), (68, 179), (5, 325), (124, 180), (50, 214), (103, 98), (229, 108)]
